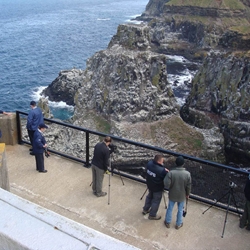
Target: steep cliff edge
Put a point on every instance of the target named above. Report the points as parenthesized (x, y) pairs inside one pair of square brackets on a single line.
[(221, 91), (124, 89)]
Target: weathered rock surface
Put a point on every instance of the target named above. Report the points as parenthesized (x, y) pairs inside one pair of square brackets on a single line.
[(220, 93), (126, 84), (64, 87)]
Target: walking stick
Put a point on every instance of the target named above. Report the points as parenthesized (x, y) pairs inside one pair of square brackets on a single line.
[(109, 191), (144, 193)]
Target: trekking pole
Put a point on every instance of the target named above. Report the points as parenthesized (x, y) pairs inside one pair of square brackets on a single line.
[(144, 193), (109, 191)]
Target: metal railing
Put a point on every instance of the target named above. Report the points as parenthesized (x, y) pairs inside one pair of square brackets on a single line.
[(208, 177)]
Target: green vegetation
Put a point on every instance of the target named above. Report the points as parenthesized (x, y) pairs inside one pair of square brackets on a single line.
[(102, 125), (187, 139), (244, 30), (222, 4)]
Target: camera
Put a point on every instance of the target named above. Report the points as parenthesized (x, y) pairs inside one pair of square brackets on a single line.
[(46, 152), (113, 148), (232, 184)]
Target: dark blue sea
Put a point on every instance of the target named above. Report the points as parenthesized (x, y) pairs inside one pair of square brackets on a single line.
[(39, 38)]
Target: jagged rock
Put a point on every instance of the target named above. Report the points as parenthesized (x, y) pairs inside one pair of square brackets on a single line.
[(221, 89), (64, 87), (127, 84), (43, 103)]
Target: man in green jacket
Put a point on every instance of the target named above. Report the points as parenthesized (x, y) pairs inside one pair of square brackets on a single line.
[(178, 182)]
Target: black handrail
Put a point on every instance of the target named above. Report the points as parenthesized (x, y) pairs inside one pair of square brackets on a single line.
[(138, 144)]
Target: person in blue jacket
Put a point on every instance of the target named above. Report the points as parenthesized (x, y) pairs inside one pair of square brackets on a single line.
[(154, 179), (35, 117), (39, 145)]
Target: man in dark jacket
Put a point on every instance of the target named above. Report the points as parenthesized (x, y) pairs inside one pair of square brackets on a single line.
[(39, 145), (155, 176), (245, 219), (35, 117), (99, 165)]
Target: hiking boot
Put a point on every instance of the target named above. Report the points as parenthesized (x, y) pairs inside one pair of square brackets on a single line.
[(145, 212), (157, 217), (242, 225), (101, 194), (178, 227), (167, 224)]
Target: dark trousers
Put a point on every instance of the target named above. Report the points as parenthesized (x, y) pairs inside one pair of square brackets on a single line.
[(31, 135), (97, 179), (245, 219), (152, 202), (39, 162)]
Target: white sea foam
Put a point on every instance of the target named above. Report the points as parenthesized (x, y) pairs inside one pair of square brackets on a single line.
[(180, 77), (175, 58), (37, 94), (61, 105), (132, 19), (103, 19)]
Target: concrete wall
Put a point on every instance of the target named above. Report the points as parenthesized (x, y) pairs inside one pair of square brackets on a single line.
[(25, 225), (4, 178), (9, 129)]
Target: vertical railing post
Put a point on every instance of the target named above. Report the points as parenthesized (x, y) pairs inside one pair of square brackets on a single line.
[(87, 164), (19, 128)]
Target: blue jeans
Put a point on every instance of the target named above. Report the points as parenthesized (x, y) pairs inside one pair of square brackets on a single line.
[(179, 217), (152, 202)]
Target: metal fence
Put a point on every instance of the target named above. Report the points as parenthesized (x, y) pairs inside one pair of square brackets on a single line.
[(212, 183)]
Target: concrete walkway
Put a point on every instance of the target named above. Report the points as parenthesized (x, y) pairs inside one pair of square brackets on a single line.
[(66, 190)]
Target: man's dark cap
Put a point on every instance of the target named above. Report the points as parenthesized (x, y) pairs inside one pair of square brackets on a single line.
[(33, 103), (179, 161)]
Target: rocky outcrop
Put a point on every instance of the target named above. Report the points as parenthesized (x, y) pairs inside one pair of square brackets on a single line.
[(220, 97), (64, 87), (127, 84)]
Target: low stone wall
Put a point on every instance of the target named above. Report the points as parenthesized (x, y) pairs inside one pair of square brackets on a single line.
[(9, 129), (4, 178), (27, 226)]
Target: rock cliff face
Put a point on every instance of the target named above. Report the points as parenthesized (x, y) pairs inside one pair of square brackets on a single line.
[(221, 91), (127, 84)]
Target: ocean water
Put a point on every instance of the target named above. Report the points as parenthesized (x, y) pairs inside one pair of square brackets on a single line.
[(38, 38)]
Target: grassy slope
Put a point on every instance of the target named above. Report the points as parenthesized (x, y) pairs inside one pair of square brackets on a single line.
[(222, 4), (240, 25)]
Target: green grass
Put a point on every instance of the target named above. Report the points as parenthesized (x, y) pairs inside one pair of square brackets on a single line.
[(222, 4), (187, 139)]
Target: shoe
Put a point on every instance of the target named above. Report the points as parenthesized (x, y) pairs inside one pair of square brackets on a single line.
[(101, 194), (31, 153), (248, 228), (157, 217), (178, 227), (145, 212), (167, 224), (31, 149), (241, 226), (44, 171)]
